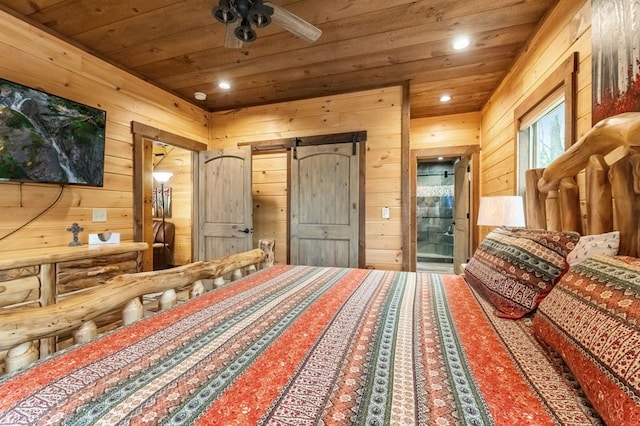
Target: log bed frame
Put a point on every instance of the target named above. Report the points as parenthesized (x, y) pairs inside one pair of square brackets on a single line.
[(21, 328), (594, 187)]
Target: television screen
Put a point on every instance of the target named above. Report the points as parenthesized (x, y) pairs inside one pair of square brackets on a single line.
[(46, 138)]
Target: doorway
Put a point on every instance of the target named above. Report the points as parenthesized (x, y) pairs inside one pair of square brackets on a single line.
[(465, 179), (435, 198), (171, 206), (224, 217), (144, 138), (325, 191)]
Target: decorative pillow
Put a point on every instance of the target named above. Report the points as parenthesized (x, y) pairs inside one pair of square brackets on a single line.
[(515, 268), (592, 319), (591, 245)]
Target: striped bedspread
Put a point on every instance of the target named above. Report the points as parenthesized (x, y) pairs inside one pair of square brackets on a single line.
[(296, 345)]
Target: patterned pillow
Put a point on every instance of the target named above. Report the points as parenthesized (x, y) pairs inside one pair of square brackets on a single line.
[(590, 245), (592, 319), (515, 268)]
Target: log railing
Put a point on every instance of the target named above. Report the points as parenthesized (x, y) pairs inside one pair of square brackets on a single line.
[(20, 327)]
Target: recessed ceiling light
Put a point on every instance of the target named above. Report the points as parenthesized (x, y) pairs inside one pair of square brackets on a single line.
[(201, 96), (461, 42), (440, 158), (445, 98), (225, 85)]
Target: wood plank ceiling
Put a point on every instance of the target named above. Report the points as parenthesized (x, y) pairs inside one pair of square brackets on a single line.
[(178, 45)]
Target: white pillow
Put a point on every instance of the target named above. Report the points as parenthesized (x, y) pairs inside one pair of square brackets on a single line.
[(590, 245)]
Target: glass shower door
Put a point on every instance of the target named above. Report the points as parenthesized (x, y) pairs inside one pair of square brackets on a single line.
[(434, 210)]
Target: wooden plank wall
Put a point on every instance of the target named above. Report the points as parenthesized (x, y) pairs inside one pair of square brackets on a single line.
[(376, 111), (178, 161), (566, 30), (269, 192), (439, 135), (445, 131), (35, 58)]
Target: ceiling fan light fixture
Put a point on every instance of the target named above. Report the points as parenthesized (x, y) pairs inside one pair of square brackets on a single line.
[(260, 15), (254, 14), (244, 31), (258, 19), (224, 12)]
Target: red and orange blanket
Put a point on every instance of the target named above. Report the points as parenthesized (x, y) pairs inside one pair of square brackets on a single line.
[(305, 345)]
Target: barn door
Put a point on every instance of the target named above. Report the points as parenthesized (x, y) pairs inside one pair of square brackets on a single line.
[(225, 222), (324, 209), (461, 210)]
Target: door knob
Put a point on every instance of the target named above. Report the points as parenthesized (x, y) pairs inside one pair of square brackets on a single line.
[(245, 230)]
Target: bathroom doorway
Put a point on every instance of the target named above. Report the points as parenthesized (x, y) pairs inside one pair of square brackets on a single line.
[(461, 164), (435, 198)]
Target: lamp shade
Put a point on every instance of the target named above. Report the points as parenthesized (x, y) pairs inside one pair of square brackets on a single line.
[(501, 210), (162, 177)]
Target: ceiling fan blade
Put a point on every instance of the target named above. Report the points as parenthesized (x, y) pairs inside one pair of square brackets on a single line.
[(294, 24), (230, 39)]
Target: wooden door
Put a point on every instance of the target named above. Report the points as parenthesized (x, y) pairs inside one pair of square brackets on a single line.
[(461, 213), (324, 213), (225, 220)]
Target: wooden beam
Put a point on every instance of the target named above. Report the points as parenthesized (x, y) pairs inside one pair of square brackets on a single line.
[(408, 262), (626, 203), (599, 198), (535, 200), (288, 143), (166, 137), (362, 203), (142, 200), (569, 198)]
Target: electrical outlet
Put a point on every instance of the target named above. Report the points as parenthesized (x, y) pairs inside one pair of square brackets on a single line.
[(385, 213), (99, 215)]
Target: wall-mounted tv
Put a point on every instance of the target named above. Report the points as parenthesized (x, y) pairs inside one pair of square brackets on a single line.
[(49, 139)]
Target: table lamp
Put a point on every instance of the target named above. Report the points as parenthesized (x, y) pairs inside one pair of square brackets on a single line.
[(501, 210)]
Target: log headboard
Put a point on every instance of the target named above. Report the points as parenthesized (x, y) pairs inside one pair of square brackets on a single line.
[(594, 187)]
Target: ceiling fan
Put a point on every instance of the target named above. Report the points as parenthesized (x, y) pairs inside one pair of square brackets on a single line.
[(260, 14)]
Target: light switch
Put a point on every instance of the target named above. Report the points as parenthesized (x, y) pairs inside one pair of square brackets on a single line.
[(99, 215), (385, 213)]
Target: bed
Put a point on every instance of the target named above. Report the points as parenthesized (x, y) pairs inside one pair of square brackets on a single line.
[(296, 345), (521, 338)]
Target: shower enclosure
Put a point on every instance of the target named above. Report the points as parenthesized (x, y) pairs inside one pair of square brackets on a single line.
[(434, 210)]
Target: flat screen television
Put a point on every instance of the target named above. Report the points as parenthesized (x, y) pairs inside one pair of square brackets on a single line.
[(48, 139)]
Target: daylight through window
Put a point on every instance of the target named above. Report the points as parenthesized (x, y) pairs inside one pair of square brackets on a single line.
[(541, 136)]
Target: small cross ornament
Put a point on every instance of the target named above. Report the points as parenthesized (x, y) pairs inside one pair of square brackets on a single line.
[(75, 229)]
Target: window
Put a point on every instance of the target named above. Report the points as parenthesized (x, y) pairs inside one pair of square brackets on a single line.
[(541, 137), (545, 121)]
